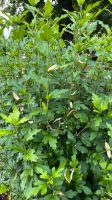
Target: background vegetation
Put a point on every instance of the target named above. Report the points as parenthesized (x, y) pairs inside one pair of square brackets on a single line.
[(56, 105)]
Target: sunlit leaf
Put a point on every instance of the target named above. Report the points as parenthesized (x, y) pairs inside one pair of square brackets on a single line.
[(33, 2), (4, 132), (3, 188), (48, 8), (80, 2), (30, 155)]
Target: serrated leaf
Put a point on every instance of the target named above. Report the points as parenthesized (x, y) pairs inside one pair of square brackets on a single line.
[(99, 103), (42, 172), (24, 177), (33, 192), (13, 117), (23, 120), (4, 132), (48, 8), (30, 155), (51, 140), (31, 134), (56, 173), (59, 94), (42, 187)]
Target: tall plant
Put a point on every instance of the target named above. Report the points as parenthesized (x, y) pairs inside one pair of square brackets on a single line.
[(56, 108)]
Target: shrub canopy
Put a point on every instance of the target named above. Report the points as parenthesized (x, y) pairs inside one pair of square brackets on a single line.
[(55, 107)]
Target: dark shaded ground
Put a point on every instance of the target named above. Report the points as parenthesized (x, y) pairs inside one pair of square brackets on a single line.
[(4, 197)]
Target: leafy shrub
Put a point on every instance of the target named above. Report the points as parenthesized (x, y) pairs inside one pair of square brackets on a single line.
[(56, 108)]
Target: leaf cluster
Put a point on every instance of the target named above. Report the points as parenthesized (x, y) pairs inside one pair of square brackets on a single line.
[(55, 108)]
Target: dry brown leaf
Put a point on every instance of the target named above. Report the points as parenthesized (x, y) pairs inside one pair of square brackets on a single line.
[(108, 150), (16, 97)]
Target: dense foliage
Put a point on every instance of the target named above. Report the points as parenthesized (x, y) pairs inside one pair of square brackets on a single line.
[(14, 6), (56, 107)]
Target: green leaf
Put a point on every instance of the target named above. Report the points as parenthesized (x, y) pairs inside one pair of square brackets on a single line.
[(85, 138), (19, 32), (23, 120), (42, 187), (87, 190), (80, 2), (24, 177), (110, 1), (31, 134), (4, 132), (51, 140), (48, 8), (91, 6), (44, 174), (97, 121), (99, 103), (109, 126), (16, 147), (74, 162), (103, 165), (3, 188), (51, 197), (33, 192), (80, 147), (69, 175), (42, 48), (30, 155), (109, 167), (33, 2), (15, 113), (57, 173), (70, 194), (59, 94), (13, 117)]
